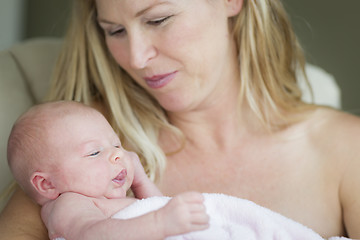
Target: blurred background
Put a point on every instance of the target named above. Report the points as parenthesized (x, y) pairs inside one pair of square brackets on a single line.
[(329, 31)]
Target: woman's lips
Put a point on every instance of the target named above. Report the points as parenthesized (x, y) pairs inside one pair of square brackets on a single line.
[(158, 81), (120, 178)]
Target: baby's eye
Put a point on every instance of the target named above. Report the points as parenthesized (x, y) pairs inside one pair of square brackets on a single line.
[(94, 154), (159, 21)]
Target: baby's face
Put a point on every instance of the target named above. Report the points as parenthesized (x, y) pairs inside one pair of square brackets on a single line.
[(89, 158)]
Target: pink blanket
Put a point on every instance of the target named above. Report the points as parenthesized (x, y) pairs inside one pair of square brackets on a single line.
[(233, 218)]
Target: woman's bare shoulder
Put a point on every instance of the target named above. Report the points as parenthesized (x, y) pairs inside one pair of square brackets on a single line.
[(338, 137), (334, 134), (331, 123)]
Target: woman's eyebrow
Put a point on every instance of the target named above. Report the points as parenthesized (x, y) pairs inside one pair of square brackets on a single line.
[(141, 12), (104, 21)]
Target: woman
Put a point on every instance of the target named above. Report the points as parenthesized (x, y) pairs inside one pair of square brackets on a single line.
[(206, 94)]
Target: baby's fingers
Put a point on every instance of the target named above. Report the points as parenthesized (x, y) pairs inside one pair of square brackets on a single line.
[(200, 218), (200, 221), (196, 207)]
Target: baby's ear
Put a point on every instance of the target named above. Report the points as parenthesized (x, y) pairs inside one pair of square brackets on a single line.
[(43, 185)]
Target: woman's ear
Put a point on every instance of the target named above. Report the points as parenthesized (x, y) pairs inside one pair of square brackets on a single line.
[(233, 7), (43, 185)]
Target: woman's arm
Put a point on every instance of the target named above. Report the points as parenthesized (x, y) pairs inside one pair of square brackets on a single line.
[(20, 219), (350, 197), (346, 145)]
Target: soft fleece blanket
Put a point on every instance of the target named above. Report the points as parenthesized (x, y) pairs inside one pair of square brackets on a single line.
[(232, 218)]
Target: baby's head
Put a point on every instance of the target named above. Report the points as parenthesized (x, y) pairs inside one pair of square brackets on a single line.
[(68, 147)]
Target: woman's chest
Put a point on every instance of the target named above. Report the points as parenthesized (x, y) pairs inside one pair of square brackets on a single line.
[(293, 184)]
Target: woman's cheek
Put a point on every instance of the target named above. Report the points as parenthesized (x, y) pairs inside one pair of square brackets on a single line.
[(118, 52)]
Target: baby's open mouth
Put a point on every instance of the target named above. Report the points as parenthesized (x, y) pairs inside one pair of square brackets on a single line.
[(121, 177)]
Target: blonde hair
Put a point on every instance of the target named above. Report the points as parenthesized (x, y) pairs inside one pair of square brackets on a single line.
[(269, 55)]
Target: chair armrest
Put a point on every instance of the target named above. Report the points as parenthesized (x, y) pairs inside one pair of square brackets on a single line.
[(25, 71)]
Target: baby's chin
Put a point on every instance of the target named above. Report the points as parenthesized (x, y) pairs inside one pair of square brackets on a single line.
[(116, 195)]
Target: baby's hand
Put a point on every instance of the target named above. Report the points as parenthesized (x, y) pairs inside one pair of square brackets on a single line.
[(142, 186), (139, 173), (184, 213)]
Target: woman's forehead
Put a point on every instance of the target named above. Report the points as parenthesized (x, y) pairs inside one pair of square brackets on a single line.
[(133, 8)]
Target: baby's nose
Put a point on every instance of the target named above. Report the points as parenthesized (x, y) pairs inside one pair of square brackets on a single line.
[(114, 159)]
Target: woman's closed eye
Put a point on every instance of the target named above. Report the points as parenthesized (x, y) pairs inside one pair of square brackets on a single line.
[(159, 21), (155, 22), (119, 31)]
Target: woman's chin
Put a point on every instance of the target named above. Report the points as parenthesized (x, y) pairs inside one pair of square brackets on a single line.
[(174, 104)]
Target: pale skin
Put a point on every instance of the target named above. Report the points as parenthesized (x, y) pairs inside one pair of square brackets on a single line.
[(75, 216), (307, 172), (78, 204)]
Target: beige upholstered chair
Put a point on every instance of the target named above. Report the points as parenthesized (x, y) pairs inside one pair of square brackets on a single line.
[(25, 71)]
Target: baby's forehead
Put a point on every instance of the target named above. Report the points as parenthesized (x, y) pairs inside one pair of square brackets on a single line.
[(66, 111), (45, 119)]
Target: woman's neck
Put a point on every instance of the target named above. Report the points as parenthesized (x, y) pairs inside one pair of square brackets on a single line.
[(219, 126)]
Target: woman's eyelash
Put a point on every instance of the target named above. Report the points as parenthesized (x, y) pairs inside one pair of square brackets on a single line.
[(116, 32), (159, 20), (155, 22)]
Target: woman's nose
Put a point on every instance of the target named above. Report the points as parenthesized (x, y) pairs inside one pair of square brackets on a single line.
[(142, 50)]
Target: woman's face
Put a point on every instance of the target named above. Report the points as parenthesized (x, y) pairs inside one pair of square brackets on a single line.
[(180, 51)]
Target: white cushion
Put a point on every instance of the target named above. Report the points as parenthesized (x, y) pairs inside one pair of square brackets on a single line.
[(324, 87)]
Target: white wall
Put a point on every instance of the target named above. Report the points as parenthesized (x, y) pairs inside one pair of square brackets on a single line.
[(12, 22)]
